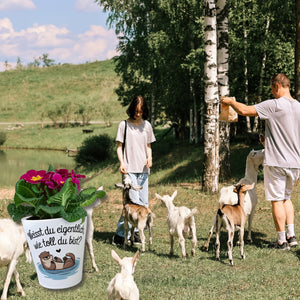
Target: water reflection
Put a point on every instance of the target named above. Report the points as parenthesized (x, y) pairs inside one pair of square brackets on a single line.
[(15, 162)]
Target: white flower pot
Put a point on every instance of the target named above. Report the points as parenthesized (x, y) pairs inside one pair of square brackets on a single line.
[(57, 249)]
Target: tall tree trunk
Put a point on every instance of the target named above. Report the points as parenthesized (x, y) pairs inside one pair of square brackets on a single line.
[(211, 125), (248, 122), (262, 71), (223, 83), (297, 51)]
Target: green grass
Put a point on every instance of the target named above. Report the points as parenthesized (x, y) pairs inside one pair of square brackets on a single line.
[(264, 274), (177, 165), (26, 95)]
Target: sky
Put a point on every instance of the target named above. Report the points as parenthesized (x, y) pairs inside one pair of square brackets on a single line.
[(69, 31)]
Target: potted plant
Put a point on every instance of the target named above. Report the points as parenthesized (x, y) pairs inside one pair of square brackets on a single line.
[(51, 205)]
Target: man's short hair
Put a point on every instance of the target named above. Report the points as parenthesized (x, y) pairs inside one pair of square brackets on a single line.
[(281, 79)]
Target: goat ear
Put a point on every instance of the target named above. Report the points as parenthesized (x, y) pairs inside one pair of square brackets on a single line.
[(248, 187), (158, 196), (174, 194), (119, 185), (116, 257), (134, 260)]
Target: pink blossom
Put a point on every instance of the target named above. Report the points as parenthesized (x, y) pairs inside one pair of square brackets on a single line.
[(33, 176)]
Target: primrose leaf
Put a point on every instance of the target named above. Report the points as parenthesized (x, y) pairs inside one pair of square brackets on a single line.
[(87, 200), (67, 193), (74, 214), (19, 212), (50, 169), (50, 210)]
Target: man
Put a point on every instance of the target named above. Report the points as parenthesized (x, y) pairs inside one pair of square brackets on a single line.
[(282, 153)]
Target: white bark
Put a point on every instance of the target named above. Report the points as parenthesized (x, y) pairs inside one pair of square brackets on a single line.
[(223, 83), (211, 125)]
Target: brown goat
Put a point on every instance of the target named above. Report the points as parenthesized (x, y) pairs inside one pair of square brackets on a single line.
[(137, 215), (230, 217)]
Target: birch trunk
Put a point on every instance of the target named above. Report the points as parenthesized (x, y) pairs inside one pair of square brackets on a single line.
[(211, 125), (223, 83)]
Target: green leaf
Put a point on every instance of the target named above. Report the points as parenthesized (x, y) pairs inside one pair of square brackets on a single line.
[(50, 169), (91, 198), (24, 193), (19, 212), (67, 193), (50, 210), (74, 214)]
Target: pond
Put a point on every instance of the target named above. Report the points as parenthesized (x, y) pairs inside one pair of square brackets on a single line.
[(15, 162)]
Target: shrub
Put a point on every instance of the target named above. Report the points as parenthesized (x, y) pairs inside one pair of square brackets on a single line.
[(2, 137), (95, 149)]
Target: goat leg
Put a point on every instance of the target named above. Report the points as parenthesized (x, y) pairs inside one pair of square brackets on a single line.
[(126, 232), (172, 245), (194, 239), (19, 286), (218, 229), (242, 242), (206, 245), (182, 244), (230, 245)]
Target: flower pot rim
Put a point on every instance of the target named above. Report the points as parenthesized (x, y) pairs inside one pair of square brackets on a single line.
[(34, 218)]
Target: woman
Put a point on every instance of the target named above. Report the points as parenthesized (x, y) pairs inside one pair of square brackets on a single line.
[(134, 138)]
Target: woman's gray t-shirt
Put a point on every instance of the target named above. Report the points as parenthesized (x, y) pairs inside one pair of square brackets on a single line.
[(137, 139), (282, 131)]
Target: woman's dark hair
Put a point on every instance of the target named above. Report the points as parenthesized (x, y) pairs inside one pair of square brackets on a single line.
[(134, 103)]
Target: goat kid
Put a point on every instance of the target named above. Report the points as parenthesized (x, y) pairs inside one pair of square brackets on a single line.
[(137, 215), (227, 196), (230, 217), (122, 286), (181, 221), (13, 243), (90, 228)]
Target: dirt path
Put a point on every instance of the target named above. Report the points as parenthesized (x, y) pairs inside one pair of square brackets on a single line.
[(7, 193)]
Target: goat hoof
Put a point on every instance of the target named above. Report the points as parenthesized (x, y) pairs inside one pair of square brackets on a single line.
[(231, 262), (218, 258)]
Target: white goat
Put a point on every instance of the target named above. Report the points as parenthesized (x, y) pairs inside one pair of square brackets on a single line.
[(12, 245), (180, 220), (122, 286), (90, 228), (137, 215), (227, 196), (231, 217)]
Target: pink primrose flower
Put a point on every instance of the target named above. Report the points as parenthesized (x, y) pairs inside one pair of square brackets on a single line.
[(33, 176)]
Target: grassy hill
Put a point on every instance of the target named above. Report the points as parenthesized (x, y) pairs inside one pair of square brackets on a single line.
[(27, 95)]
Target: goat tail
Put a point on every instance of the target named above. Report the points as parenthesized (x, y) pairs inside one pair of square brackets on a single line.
[(27, 253)]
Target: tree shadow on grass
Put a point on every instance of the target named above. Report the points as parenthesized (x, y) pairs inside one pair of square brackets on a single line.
[(186, 173)]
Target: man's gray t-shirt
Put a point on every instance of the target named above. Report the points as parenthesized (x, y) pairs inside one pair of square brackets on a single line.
[(282, 131), (135, 152)]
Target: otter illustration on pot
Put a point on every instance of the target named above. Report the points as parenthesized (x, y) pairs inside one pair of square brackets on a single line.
[(55, 263)]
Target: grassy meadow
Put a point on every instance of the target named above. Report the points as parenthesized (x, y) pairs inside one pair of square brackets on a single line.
[(264, 274)]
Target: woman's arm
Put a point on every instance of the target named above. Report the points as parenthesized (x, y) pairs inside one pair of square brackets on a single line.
[(120, 157), (149, 156)]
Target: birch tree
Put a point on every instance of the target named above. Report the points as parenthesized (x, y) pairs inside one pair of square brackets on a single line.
[(223, 85), (211, 124)]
